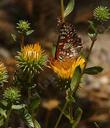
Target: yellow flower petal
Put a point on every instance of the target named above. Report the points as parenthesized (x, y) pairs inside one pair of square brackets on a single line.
[(32, 52), (66, 68)]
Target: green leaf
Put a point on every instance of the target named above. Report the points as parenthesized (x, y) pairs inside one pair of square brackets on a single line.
[(93, 70), (69, 8), (53, 51), (92, 26), (75, 78), (18, 107), (27, 118), (3, 113), (29, 32), (3, 103), (97, 126), (37, 125), (70, 97), (13, 37), (35, 102), (77, 118), (92, 35), (3, 116), (1, 121), (30, 122)]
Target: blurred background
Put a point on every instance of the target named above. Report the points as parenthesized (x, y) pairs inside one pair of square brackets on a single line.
[(94, 94)]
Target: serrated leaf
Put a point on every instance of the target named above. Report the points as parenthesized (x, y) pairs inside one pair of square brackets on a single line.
[(69, 8), (77, 118), (75, 78), (29, 32), (18, 107), (13, 37), (27, 118), (93, 70), (30, 122), (37, 125)]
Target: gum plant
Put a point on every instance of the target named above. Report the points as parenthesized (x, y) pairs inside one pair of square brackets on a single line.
[(68, 62)]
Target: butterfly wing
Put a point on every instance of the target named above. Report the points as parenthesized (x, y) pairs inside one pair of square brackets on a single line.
[(69, 43)]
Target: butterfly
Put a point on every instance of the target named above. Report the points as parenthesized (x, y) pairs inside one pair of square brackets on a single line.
[(69, 43)]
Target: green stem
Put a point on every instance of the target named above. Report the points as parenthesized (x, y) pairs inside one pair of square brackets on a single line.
[(32, 113), (61, 114), (87, 59), (90, 50), (62, 10), (29, 88), (29, 95), (47, 119), (29, 101), (77, 85), (22, 40), (97, 126), (8, 116)]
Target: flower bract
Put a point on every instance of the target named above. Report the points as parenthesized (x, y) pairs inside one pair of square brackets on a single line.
[(102, 13), (31, 58), (12, 94)]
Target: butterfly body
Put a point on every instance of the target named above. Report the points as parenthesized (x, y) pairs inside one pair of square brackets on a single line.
[(69, 43)]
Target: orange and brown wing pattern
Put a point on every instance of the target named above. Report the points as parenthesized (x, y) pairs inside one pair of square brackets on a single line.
[(69, 43)]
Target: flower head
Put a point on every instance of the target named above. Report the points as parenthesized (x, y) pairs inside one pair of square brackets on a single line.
[(102, 13), (66, 68), (12, 94), (23, 26), (3, 74), (31, 58)]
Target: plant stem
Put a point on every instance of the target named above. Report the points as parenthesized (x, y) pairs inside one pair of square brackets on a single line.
[(32, 113), (77, 85), (87, 59), (97, 126), (22, 40), (62, 10), (8, 116), (61, 114), (47, 118), (29, 95)]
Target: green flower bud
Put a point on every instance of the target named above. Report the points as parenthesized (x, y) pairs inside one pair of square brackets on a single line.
[(31, 59), (12, 94), (101, 13), (23, 26)]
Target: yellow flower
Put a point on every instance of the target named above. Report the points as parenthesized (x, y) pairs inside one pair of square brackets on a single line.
[(66, 68), (32, 52), (31, 58)]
